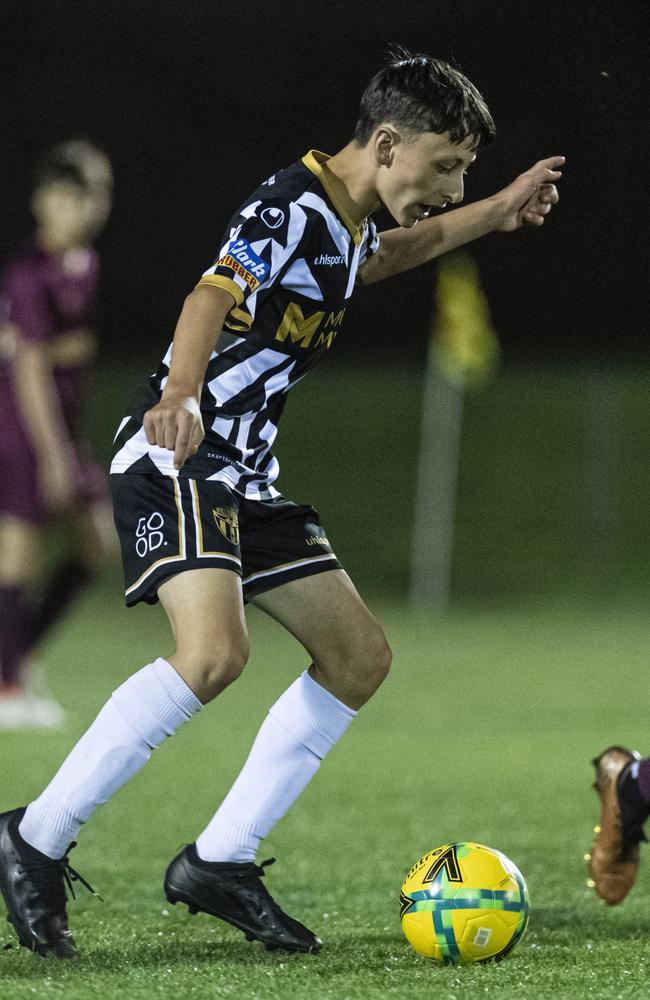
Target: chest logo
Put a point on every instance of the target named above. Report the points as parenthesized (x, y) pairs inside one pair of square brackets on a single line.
[(301, 329)]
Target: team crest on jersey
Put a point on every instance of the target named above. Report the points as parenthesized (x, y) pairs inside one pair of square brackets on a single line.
[(242, 259), (227, 522)]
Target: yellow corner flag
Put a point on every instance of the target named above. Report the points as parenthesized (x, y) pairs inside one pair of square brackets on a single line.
[(466, 345)]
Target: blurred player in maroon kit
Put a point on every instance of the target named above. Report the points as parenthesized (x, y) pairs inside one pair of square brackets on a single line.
[(47, 344)]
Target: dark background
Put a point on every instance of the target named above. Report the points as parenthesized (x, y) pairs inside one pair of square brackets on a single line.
[(197, 101)]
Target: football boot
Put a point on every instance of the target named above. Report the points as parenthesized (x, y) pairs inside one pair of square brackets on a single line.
[(234, 892), (34, 890), (614, 859)]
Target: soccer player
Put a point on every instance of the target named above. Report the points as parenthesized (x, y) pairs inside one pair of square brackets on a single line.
[(47, 344), (203, 527), (623, 786)]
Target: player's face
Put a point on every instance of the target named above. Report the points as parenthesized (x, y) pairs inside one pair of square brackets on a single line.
[(99, 177), (421, 174), (74, 214)]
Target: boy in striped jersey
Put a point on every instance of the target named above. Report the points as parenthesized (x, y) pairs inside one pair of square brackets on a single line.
[(202, 525)]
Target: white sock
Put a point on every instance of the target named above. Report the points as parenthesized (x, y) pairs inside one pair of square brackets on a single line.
[(140, 714), (303, 725)]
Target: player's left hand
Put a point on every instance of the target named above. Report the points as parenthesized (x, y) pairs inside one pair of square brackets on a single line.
[(530, 198)]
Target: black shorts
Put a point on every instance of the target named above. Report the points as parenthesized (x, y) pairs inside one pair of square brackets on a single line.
[(167, 525)]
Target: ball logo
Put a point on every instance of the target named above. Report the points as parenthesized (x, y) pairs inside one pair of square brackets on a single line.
[(149, 536), (272, 217), (448, 860)]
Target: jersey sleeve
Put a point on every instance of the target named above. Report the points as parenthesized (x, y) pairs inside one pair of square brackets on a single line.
[(26, 303), (370, 242), (259, 241)]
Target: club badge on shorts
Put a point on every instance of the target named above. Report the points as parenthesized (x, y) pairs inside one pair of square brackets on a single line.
[(227, 522)]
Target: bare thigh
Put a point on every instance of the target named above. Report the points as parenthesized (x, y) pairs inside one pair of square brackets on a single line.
[(206, 613), (20, 562), (350, 654)]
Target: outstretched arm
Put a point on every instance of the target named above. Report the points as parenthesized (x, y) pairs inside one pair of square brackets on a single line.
[(527, 201)]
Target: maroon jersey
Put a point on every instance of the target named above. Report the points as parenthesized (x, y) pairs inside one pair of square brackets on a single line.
[(45, 296)]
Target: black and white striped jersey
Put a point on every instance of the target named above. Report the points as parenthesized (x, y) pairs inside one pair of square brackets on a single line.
[(289, 258)]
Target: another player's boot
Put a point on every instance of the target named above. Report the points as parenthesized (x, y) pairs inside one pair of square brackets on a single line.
[(20, 709), (34, 890), (233, 891), (614, 860)]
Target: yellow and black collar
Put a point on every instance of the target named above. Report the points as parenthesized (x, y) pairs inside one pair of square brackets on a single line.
[(336, 190)]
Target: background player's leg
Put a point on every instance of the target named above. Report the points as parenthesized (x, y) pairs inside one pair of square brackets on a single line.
[(623, 786), (19, 565), (73, 575), (350, 660), (206, 612)]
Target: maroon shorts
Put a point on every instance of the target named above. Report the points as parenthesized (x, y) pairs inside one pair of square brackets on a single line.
[(20, 494)]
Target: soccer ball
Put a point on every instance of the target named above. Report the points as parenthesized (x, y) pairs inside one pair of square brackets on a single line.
[(464, 903)]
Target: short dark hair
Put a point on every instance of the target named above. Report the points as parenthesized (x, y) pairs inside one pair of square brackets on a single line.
[(65, 162), (424, 94)]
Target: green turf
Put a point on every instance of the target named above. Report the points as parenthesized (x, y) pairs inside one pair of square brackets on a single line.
[(484, 731)]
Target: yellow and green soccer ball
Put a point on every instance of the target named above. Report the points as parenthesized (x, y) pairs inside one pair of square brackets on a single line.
[(464, 903)]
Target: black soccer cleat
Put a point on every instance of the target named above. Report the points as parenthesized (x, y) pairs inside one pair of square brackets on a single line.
[(34, 890), (233, 891)]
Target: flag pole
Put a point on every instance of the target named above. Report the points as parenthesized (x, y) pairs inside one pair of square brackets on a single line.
[(463, 351), (435, 495)]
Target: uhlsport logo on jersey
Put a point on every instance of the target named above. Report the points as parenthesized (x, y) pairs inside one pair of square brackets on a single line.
[(227, 522), (329, 260), (242, 259)]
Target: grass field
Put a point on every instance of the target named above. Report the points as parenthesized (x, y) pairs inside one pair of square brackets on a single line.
[(484, 731), (553, 477)]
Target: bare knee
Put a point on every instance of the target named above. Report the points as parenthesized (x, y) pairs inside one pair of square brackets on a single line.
[(377, 662), (209, 672), (354, 672), (206, 613)]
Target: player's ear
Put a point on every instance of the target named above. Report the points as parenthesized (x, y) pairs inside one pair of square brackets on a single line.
[(385, 139)]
